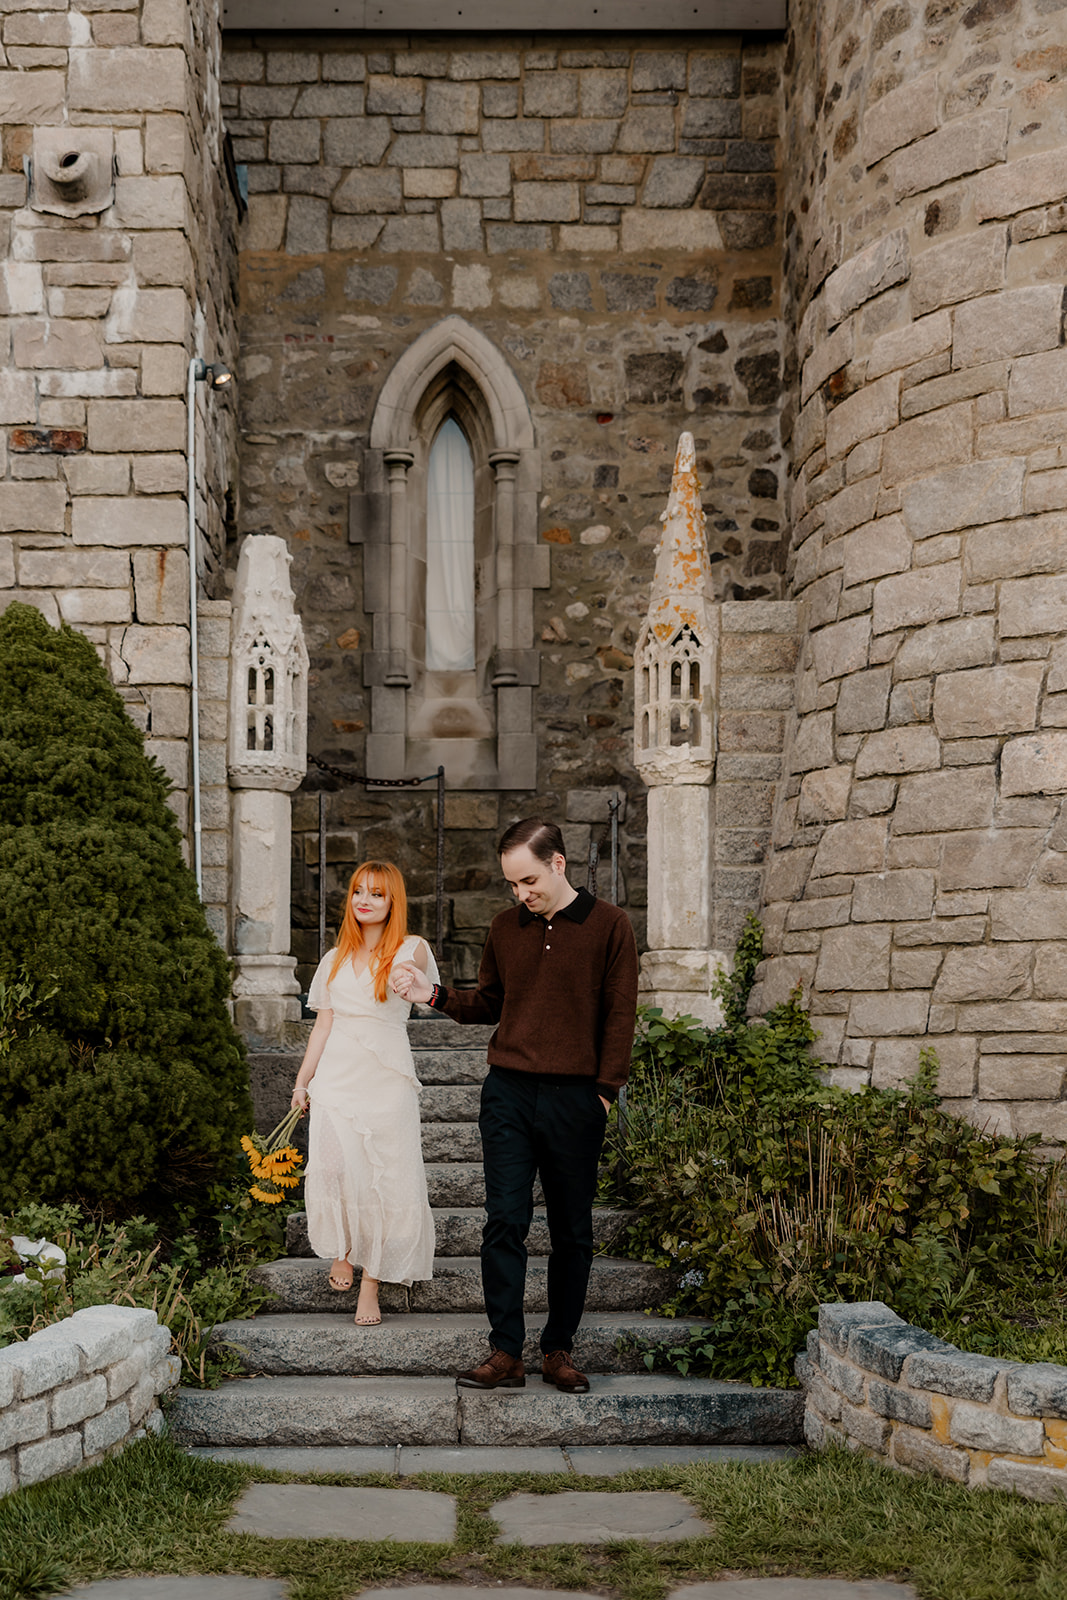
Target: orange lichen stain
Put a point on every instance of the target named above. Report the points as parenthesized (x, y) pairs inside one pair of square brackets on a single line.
[(348, 727), (1056, 1433), (349, 640), (942, 1415), (557, 536), (302, 533)]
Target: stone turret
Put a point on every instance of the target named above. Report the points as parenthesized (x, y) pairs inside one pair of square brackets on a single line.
[(674, 751)]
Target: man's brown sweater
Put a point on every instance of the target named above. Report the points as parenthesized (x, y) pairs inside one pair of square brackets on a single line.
[(562, 991)]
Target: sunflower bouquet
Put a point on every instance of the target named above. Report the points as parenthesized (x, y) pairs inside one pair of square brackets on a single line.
[(273, 1160)]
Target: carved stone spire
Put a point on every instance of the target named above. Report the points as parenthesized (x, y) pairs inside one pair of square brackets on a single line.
[(676, 657)]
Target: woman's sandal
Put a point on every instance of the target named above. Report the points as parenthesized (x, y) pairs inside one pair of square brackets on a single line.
[(368, 1322), (341, 1285)]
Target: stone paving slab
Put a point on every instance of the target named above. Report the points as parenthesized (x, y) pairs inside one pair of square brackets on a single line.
[(316, 1511), (354, 1458), (475, 1458), (796, 1589), (604, 1461), (540, 1519), (199, 1588)]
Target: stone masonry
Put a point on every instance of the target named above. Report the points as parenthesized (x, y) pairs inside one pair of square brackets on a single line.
[(877, 1385), (79, 1390), (918, 886), (100, 311), (608, 218)]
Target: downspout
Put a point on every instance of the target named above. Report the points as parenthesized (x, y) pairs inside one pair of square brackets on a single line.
[(195, 372)]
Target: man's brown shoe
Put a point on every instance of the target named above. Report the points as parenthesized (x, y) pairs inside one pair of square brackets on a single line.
[(499, 1371), (558, 1368)]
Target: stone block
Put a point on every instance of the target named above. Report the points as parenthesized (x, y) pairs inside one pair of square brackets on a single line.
[(161, 585), (58, 343), (1022, 183), (946, 647), (984, 973), (689, 231), (1017, 322), (914, 598), (988, 700), (36, 1462), (296, 139), (1038, 1390), (105, 1430), (959, 269), (998, 552), (470, 65), (307, 227), (813, 744), (18, 397), (888, 1015), (933, 802), (547, 202), (39, 1365), (482, 175), (424, 150), (902, 1405), (33, 507), (837, 1321), (550, 94), (1035, 765), (1038, 383), (876, 550), (156, 654), (883, 1349), (854, 958), (868, 273), (1050, 973), (394, 97), (411, 234), (125, 425), (79, 606), (871, 410), (19, 1424), (900, 117), (1034, 913), (151, 202), (72, 1405), (148, 316), (824, 795), (981, 1429), (603, 92), (1004, 859), (961, 497), (1032, 1482), (898, 750), (919, 1452), (1022, 1078), (673, 182), (647, 130), (903, 895), (925, 444), (452, 108), (357, 141), (904, 347), (115, 521), (966, 144)]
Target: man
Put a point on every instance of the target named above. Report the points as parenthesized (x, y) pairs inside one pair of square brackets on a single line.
[(559, 978)]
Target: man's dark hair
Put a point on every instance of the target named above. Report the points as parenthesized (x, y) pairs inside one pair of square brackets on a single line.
[(543, 838)]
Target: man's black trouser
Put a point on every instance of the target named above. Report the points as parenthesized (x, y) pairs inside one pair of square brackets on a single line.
[(552, 1128)]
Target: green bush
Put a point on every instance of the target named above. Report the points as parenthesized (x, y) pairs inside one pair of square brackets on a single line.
[(123, 1083), (770, 1191)]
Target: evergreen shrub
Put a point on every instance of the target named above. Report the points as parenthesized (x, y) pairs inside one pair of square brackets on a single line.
[(770, 1191), (123, 1083)]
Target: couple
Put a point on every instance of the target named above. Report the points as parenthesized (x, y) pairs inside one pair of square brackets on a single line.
[(558, 978)]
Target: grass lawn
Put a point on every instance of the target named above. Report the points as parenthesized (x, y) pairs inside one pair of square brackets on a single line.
[(155, 1510)]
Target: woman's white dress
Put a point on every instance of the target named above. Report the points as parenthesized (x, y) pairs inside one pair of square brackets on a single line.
[(365, 1189)]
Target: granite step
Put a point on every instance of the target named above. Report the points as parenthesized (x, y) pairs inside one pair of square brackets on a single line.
[(426, 1030), (459, 1230), (422, 1345), (297, 1284), (619, 1409), (451, 1141), (460, 1183), (449, 1102)]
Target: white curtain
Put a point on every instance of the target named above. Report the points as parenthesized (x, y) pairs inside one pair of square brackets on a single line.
[(450, 553)]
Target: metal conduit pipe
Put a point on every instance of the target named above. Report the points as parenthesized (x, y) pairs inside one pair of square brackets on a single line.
[(217, 376)]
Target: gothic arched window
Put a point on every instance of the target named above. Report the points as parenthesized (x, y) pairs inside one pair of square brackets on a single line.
[(450, 552)]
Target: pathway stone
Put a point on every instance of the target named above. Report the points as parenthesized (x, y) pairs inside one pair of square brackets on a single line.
[(199, 1588), (796, 1589), (480, 1458), (354, 1458), (608, 1460), (538, 1519), (316, 1511)]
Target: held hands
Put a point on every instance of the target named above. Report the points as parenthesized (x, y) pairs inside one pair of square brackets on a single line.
[(410, 982)]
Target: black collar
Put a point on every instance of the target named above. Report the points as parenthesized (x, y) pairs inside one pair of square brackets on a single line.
[(578, 909)]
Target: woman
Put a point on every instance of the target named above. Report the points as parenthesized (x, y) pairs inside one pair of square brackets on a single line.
[(366, 1187)]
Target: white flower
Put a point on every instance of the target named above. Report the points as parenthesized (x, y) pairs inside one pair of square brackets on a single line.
[(40, 1253), (693, 1279)]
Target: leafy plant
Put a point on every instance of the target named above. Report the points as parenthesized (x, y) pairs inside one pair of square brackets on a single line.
[(769, 1191), (123, 1082)]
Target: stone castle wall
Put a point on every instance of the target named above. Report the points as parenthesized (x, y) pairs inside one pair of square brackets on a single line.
[(100, 314), (918, 885), (608, 218)]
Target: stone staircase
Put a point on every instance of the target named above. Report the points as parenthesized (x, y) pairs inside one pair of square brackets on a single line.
[(313, 1378)]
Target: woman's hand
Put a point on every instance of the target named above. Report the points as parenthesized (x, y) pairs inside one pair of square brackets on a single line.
[(299, 1100), (410, 983)]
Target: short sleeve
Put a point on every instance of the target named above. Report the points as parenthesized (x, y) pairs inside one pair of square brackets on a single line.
[(431, 965), (319, 993)]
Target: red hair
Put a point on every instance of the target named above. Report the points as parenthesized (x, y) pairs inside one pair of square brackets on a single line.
[(379, 875)]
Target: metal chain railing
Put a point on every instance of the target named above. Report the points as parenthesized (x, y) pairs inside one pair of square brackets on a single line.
[(437, 777)]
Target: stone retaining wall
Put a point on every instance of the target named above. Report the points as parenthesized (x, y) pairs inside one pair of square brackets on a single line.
[(897, 1393), (79, 1390)]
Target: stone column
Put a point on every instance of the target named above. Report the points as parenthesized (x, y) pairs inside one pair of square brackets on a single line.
[(674, 751), (267, 760)]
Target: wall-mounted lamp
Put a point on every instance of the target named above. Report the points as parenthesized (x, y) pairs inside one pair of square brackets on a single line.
[(216, 375)]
